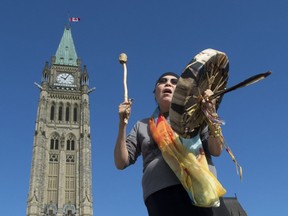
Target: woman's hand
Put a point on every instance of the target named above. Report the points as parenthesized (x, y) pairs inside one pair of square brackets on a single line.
[(124, 110), (210, 105), (215, 140)]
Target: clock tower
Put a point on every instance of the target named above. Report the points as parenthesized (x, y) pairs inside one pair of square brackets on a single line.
[(60, 178)]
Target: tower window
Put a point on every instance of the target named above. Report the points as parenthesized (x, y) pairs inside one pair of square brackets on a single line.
[(60, 113), (70, 145), (54, 143), (52, 113), (75, 114), (67, 113)]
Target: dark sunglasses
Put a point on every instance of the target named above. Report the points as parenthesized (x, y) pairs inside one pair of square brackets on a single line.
[(164, 80)]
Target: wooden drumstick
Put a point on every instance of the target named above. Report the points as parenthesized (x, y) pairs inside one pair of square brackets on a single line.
[(123, 59)]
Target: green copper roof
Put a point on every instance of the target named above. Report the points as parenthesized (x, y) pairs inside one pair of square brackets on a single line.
[(66, 53)]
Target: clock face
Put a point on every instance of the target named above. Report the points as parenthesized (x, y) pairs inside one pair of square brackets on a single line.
[(65, 78)]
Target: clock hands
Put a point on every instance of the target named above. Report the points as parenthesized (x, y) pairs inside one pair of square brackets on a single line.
[(66, 77)]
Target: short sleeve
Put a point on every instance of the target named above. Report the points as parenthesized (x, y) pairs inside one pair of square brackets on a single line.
[(132, 144)]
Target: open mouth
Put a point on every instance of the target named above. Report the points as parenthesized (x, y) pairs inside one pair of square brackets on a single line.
[(167, 91)]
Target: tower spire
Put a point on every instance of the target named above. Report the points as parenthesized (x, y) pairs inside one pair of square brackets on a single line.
[(66, 52)]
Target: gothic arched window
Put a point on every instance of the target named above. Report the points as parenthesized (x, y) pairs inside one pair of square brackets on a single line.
[(54, 143), (70, 144)]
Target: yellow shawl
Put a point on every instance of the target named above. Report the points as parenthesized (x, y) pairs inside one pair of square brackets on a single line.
[(202, 186)]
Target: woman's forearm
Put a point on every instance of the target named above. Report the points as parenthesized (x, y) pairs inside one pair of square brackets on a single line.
[(121, 158)]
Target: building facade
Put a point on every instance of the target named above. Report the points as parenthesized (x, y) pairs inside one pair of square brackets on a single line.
[(61, 178)]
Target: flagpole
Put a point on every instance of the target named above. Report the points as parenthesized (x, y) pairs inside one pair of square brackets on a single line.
[(68, 24)]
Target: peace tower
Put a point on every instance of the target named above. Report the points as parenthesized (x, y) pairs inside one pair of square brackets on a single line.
[(60, 178)]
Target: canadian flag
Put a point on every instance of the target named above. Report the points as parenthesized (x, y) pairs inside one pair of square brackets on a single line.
[(74, 19)]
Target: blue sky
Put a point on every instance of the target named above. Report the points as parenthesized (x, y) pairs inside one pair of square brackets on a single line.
[(158, 36)]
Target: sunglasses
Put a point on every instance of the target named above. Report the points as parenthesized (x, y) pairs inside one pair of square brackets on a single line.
[(164, 80)]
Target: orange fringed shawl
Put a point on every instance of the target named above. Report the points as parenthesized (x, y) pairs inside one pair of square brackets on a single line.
[(202, 186)]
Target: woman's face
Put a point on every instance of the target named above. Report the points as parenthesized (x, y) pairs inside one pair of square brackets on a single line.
[(164, 92)]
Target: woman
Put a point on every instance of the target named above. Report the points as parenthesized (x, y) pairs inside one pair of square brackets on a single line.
[(162, 191)]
